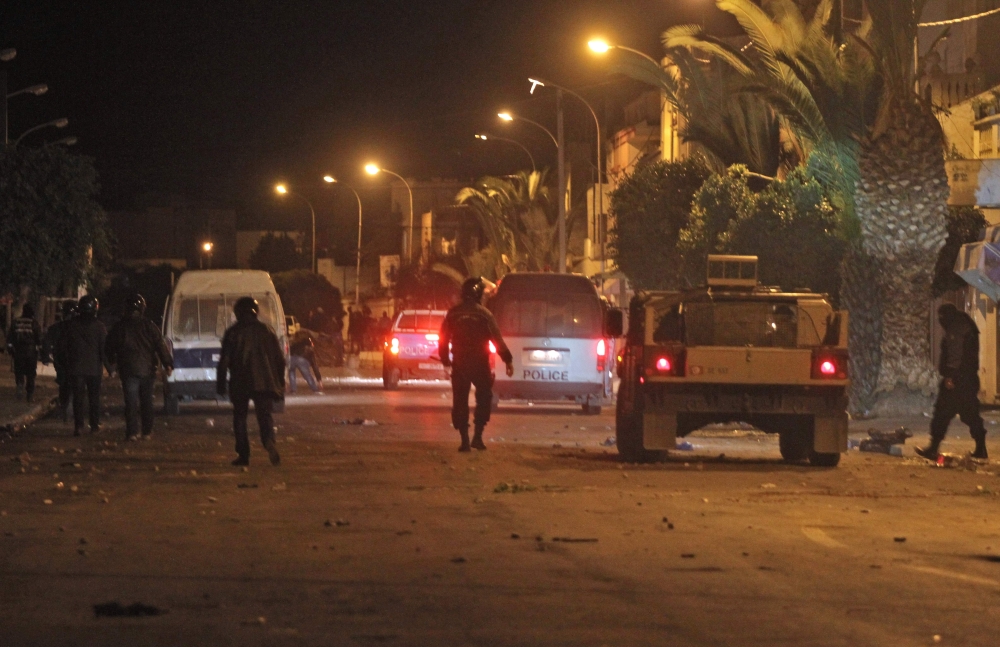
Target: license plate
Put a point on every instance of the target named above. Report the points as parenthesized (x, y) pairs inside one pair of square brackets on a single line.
[(429, 366)]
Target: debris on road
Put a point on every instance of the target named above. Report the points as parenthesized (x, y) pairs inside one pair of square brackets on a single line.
[(134, 610), (880, 441), (246, 486), (899, 540), (609, 442), (458, 560), (687, 555), (685, 446), (513, 488), (514, 535), (365, 422), (767, 486), (280, 487), (24, 459), (576, 540)]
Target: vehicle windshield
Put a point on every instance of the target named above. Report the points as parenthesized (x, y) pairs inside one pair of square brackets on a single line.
[(206, 317), (537, 314), (419, 322), (762, 324)]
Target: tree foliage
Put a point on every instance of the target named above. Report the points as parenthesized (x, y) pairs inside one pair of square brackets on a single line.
[(650, 208), (53, 234), (419, 287), (277, 254), (301, 292)]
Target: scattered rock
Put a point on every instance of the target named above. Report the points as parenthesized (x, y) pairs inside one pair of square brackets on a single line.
[(609, 442), (767, 486), (24, 459), (687, 555), (514, 535), (83, 541), (47, 501), (280, 487), (212, 499), (245, 486), (576, 540), (899, 540), (458, 560)]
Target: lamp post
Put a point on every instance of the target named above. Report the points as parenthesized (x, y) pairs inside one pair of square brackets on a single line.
[(601, 46), (55, 123), (535, 82), (374, 169), (281, 189), (329, 179), (487, 136), (206, 251), (508, 117)]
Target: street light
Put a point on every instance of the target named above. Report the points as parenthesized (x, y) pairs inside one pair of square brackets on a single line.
[(373, 169), (281, 189), (329, 179), (600, 177), (487, 136), (601, 46), (37, 90), (508, 117), (206, 249), (55, 123)]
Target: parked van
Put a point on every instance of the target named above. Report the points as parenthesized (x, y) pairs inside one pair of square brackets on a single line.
[(197, 315), (561, 334)]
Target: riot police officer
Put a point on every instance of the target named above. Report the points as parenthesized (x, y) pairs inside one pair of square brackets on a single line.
[(83, 347), (467, 330), (23, 340), (959, 389), (136, 348), (255, 363), (54, 351)]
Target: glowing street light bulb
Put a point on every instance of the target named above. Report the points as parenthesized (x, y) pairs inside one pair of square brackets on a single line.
[(281, 188), (372, 169), (207, 247), (599, 46), (506, 116), (329, 179), (482, 137)]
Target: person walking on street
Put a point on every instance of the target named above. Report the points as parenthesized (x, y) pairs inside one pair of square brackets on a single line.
[(255, 364), (302, 358), (136, 348), (83, 347), (958, 392), (469, 328), (53, 350), (23, 341)]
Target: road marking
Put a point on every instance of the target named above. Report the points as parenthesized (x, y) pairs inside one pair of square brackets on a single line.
[(972, 579), (820, 537)]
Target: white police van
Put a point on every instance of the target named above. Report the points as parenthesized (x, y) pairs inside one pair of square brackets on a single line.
[(562, 336), (196, 317)]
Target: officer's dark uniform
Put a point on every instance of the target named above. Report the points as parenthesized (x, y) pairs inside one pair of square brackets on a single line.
[(469, 328), (83, 347), (136, 347), (255, 362), (53, 350), (23, 340), (959, 389)]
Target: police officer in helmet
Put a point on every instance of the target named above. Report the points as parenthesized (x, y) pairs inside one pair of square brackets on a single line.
[(464, 345), (23, 340), (83, 348)]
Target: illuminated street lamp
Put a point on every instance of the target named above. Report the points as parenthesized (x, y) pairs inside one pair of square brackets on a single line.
[(55, 123), (329, 179), (373, 169), (601, 46), (487, 137), (281, 189), (206, 249), (508, 117)]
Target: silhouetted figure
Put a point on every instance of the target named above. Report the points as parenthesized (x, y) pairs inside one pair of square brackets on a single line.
[(302, 358), (54, 350), (254, 362), (469, 328), (85, 362), (136, 348), (23, 342)]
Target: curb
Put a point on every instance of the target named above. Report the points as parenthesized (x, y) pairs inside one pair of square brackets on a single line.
[(40, 410)]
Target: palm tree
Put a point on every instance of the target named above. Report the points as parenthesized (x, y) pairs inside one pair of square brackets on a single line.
[(515, 214)]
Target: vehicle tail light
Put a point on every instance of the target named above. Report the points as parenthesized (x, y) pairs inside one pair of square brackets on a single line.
[(829, 364), (493, 348), (394, 346), (665, 362), (602, 355)]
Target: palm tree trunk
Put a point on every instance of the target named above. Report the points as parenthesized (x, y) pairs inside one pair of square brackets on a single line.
[(902, 205), (861, 297)]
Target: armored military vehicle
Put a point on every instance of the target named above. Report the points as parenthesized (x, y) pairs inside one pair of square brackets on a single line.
[(730, 351)]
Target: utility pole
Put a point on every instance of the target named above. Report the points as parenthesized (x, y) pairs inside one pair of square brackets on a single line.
[(3, 103), (562, 182)]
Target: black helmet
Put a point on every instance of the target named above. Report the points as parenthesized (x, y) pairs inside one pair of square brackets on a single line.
[(472, 289), (135, 303), (246, 307), (68, 309), (28, 310), (88, 305)]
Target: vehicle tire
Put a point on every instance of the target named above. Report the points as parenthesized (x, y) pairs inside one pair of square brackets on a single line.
[(495, 403), (816, 459), (390, 379), (794, 446), (591, 409), (171, 405), (628, 438)]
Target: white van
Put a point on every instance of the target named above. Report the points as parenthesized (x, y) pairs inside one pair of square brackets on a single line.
[(197, 315), (562, 336)]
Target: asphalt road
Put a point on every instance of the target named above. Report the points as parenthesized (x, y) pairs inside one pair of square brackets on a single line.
[(383, 534)]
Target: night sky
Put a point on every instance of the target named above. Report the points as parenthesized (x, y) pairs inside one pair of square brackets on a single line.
[(215, 100)]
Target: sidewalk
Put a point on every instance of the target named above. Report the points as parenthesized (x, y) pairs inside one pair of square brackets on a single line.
[(16, 413)]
